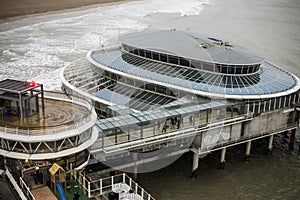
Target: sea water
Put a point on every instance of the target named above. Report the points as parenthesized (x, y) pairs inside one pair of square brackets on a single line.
[(37, 48)]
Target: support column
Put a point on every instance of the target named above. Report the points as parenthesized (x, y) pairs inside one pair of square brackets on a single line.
[(135, 167), (271, 143), (222, 162), (292, 139), (21, 107), (195, 170), (43, 98), (248, 150)]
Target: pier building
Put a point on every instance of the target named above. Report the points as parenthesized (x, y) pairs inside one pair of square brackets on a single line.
[(45, 137), (157, 95), (181, 91)]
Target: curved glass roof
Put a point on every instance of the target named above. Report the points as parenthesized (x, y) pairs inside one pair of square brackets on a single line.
[(191, 45), (152, 115), (269, 82)]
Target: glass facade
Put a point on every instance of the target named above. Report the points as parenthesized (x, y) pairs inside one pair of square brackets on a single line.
[(186, 62), (136, 126), (153, 110)]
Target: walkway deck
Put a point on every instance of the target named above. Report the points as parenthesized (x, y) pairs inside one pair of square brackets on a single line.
[(43, 193), (69, 192)]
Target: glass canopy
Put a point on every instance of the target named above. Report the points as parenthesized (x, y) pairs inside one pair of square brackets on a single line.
[(270, 79)]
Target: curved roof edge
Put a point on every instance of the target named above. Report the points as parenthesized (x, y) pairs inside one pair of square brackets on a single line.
[(191, 45), (72, 87), (196, 92)]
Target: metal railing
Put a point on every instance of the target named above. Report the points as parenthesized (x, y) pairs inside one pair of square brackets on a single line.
[(62, 128), (246, 138), (26, 190), (186, 128), (103, 186)]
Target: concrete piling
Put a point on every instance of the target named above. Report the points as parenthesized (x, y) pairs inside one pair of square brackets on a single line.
[(271, 143), (292, 140), (222, 162), (135, 167), (195, 170), (248, 151)]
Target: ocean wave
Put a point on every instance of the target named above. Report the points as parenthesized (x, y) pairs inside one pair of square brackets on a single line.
[(37, 49)]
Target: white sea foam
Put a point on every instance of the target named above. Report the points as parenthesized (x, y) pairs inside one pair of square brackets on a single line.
[(37, 50)]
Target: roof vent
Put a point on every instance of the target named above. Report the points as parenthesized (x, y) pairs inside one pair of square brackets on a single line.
[(204, 45), (227, 44)]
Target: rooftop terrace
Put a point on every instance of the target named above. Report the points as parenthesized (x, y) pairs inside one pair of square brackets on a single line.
[(58, 116)]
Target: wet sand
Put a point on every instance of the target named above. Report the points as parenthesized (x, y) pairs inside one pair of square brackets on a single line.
[(15, 9)]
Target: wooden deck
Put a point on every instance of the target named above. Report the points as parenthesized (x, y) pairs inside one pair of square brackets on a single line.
[(57, 113), (43, 193)]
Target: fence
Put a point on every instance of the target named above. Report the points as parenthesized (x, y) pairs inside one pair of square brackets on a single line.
[(103, 186), (56, 96), (26, 190)]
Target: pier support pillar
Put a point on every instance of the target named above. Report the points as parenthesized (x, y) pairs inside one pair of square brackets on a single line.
[(292, 140), (135, 167), (195, 170), (271, 143), (248, 150), (222, 162)]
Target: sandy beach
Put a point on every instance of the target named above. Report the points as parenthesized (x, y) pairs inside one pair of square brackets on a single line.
[(14, 9)]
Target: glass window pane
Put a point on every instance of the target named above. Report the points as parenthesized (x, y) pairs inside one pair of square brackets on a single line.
[(163, 57), (173, 60), (208, 66), (184, 62), (196, 64), (148, 54), (155, 56), (142, 52)]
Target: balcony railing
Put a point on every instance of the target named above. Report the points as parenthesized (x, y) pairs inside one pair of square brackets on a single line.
[(50, 130), (103, 186)]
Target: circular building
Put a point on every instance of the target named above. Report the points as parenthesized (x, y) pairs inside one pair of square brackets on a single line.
[(171, 78)]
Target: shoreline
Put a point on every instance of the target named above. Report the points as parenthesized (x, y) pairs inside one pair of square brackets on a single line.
[(62, 9)]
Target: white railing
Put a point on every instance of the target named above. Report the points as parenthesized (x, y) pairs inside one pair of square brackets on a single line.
[(57, 129), (186, 130), (102, 187), (47, 131), (69, 98), (15, 185), (232, 142), (26, 190)]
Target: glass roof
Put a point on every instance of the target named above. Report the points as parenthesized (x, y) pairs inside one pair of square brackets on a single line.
[(156, 114), (121, 95), (269, 80), (16, 86), (124, 96)]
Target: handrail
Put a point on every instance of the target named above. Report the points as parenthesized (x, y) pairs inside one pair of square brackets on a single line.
[(256, 136), (57, 129), (103, 185), (26, 190), (46, 131)]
